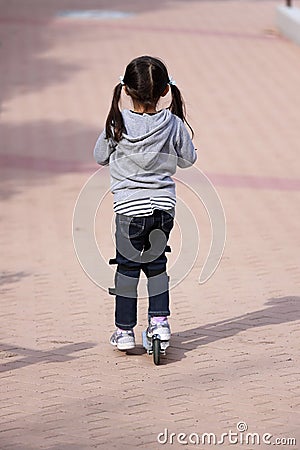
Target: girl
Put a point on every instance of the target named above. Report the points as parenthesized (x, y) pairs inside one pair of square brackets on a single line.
[(143, 148)]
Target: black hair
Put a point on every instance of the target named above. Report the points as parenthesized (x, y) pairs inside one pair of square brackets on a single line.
[(145, 79)]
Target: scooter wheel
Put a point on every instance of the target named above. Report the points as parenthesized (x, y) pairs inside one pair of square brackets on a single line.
[(156, 351)]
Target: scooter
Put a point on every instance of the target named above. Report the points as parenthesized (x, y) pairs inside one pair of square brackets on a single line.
[(154, 346)]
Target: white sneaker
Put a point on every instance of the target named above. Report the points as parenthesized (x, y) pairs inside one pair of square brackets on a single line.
[(160, 328), (123, 339)]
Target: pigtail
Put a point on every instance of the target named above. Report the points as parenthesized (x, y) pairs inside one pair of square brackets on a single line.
[(177, 106), (114, 126)]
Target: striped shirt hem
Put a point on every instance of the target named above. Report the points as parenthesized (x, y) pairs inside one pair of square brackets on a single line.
[(143, 206)]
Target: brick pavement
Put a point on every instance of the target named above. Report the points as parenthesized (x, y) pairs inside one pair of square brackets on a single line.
[(235, 346)]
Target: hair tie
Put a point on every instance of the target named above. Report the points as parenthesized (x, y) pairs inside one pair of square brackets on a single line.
[(121, 80), (172, 82)]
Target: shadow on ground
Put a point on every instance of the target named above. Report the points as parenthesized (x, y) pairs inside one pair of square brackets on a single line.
[(67, 147), (11, 277), (27, 356), (278, 310)]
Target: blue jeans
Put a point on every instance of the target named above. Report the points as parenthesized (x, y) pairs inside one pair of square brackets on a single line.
[(137, 248)]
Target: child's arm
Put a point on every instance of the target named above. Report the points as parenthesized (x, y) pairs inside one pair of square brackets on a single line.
[(103, 149), (185, 148)]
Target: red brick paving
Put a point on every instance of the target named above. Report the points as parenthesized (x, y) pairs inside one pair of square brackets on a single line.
[(235, 346)]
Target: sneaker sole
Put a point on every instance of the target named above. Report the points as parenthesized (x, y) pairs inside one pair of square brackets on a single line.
[(127, 346)]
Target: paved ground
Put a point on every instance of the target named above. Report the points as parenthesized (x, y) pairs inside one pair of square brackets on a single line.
[(235, 348)]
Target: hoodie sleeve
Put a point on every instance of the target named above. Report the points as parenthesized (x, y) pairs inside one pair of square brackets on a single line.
[(185, 148), (103, 149)]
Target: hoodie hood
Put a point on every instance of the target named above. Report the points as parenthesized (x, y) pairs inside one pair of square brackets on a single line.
[(147, 136), (142, 126), (143, 161)]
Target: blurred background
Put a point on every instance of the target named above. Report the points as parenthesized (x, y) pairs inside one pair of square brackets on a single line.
[(239, 76)]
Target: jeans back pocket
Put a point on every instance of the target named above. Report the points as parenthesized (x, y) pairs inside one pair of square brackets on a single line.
[(130, 227)]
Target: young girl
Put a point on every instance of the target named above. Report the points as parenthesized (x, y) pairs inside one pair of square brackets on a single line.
[(143, 148)]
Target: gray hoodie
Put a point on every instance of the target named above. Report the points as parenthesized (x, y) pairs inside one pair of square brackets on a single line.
[(142, 163)]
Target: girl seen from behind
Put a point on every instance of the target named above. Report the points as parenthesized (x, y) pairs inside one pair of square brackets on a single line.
[(143, 147)]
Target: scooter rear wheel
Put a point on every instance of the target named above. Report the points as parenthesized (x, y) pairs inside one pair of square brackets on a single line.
[(156, 351)]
